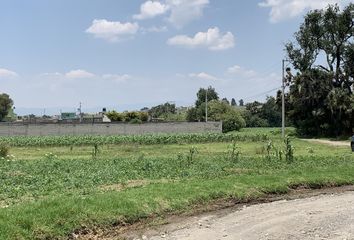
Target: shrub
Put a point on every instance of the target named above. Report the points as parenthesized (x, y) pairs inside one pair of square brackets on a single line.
[(115, 116), (128, 116), (233, 121), (4, 150), (143, 116)]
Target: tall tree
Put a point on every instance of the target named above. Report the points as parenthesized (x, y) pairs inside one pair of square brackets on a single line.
[(233, 102), (6, 104), (321, 95), (225, 100), (241, 103), (211, 95), (163, 110)]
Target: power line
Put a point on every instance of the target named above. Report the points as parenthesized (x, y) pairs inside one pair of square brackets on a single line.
[(261, 94)]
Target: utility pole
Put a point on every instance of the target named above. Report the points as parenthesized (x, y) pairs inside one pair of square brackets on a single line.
[(206, 105), (80, 112), (283, 100)]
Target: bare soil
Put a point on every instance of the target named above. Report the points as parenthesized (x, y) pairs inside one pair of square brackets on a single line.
[(328, 142), (329, 215), (301, 214)]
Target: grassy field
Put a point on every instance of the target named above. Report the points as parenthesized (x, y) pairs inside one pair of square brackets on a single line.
[(50, 187)]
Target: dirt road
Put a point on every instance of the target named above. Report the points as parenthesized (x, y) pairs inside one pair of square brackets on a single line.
[(320, 217), (328, 142)]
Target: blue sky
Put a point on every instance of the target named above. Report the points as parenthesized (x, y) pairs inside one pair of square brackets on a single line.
[(129, 54)]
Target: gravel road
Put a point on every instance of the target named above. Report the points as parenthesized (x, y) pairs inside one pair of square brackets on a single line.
[(320, 217)]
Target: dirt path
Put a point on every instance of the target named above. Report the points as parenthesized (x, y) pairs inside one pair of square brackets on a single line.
[(328, 142), (328, 216)]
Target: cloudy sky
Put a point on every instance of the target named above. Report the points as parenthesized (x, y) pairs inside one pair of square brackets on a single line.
[(133, 53)]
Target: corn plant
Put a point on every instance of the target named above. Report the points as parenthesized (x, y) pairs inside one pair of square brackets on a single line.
[(95, 150), (234, 152), (192, 152), (289, 150)]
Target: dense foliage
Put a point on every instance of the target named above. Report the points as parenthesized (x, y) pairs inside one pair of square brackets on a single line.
[(321, 100), (130, 117), (203, 94), (217, 111), (6, 104), (266, 114), (163, 110)]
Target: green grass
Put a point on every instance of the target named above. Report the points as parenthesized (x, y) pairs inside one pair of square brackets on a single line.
[(47, 192)]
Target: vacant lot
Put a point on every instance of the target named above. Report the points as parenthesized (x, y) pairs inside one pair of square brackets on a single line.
[(54, 187)]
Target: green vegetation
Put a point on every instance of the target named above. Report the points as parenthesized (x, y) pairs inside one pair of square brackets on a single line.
[(321, 99), (217, 110), (130, 117), (266, 114), (6, 104), (48, 190), (134, 139), (163, 111), (4, 150)]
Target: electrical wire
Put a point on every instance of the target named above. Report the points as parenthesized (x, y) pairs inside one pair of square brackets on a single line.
[(262, 94)]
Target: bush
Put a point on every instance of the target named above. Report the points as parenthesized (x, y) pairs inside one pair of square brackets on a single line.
[(143, 116), (233, 121), (128, 116), (253, 120), (115, 116), (4, 150), (192, 115)]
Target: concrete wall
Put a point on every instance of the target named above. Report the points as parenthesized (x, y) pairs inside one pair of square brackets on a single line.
[(20, 129)]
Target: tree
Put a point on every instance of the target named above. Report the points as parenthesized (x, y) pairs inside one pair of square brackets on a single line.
[(266, 114), (114, 116), (233, 121), (254, 107), (162, 110), (6, 104), (271, 112), (241, 103), (192, 115), (321, 95), (212, 95), (233, 102), (252, 115), (226, 101), (217, 111)]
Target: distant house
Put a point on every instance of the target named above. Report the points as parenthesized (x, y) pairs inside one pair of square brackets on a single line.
[(95, 118), (69, 117)]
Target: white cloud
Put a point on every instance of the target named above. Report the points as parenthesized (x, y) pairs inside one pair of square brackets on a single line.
[(181, 12), (75, 74), (285, 9), (203, 76), (151, 9), (185, 11), (212, 39), (240, 71), (112, 31), (117, 78), (5, 73)]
